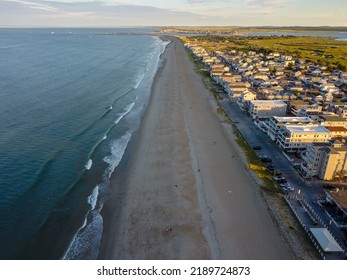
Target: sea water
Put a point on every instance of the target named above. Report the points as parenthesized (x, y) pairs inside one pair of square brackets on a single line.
[(70, 100)]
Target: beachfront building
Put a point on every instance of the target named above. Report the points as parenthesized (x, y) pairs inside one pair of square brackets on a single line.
[(330, 120), (337, 131), (264, 109), (245, 98), (274, 124), (230, 81), (313, 159), (235, 89), (295, 138), (325, 160), (304, 108), (309, 110)]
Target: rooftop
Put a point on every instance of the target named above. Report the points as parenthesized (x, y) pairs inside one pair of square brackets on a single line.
[(336, 128), (340, 197), (293, 119), (333, 118), (261, 102), (311, 128)]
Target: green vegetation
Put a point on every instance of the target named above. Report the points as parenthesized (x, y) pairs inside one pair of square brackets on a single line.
[(255, 164), (228, 30), (320, 50)]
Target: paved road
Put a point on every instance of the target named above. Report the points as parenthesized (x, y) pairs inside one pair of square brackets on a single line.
[(309, 190)]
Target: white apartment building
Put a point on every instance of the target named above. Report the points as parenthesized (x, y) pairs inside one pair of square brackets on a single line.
[(325, 161), (295, 138), (264, 109), (313, 159), (274, 124)]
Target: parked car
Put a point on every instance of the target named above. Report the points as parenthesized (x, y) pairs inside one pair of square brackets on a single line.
[(282, 181), (271, 168), (256, 148), (279, 178), (288, 189), (266, 159), (287, 186)]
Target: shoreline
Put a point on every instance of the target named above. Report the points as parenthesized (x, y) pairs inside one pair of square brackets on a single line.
[(182, 172)]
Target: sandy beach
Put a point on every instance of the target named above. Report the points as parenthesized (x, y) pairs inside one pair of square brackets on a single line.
[(185, 191)]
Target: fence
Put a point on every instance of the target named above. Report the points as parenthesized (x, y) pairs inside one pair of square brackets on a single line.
[(314, 217)]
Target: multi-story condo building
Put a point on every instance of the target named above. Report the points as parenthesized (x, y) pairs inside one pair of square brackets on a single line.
[(325, 160), (313, 158), (337, 131), (264, 109), (274, 124), (304, 108), (332, 120), (295, 138)]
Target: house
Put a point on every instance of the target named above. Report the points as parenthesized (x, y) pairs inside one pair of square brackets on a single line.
[(307, 111), (244, 99), (267, 108), (236, 88), (340, 109), (295, 138)]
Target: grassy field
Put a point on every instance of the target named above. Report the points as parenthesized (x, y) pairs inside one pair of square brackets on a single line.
[(320, 50), (216, 30)]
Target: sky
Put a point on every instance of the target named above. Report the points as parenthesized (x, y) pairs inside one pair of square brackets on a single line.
[(127, 13)]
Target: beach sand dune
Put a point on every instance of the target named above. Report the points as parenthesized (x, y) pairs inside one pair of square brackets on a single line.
[(186, 192)]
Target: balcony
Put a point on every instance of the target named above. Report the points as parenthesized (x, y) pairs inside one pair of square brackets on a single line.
[(308, 170)]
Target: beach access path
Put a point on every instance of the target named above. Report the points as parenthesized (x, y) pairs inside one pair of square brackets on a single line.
[(186, 192)]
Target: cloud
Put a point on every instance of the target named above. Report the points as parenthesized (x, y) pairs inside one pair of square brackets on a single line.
[(256, 4), (94, 13), (35, 5), (194, 2)]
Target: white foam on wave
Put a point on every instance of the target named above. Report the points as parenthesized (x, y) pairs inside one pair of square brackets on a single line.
[(87, 240), (117, 151), (89, 164), (126, 111), (93, 198), (139, 80), (84, 223)]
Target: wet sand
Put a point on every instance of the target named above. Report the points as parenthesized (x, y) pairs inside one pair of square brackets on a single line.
[(185, 191)]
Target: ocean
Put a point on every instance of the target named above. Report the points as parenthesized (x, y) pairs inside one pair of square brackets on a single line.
[(70, 101)]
